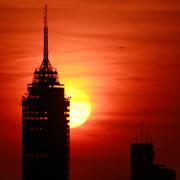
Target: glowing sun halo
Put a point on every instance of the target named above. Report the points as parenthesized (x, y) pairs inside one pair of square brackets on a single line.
[(80, 106)]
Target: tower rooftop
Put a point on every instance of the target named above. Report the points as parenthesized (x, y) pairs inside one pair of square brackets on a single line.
[(45, 74)]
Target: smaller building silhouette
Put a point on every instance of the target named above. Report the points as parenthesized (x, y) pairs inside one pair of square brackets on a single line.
[(143, 167)]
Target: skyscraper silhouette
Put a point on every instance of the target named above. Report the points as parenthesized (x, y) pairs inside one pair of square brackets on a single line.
[(45, 126), (143, 167)]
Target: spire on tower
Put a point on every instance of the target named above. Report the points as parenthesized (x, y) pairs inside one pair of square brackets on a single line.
[(45, 16), (45, 64), (45, 75)]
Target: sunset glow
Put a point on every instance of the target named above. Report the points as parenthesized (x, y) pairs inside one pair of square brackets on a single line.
[(118, 59), (80, 107)]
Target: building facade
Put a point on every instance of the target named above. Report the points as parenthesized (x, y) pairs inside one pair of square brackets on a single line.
[(45, 124), (143, 166)]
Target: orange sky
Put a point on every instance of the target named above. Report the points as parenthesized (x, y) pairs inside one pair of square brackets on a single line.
[(123, 53)]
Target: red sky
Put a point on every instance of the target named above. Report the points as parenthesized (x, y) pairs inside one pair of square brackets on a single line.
[(123, 53)]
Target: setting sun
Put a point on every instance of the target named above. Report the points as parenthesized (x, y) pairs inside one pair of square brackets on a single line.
[(80, 107)]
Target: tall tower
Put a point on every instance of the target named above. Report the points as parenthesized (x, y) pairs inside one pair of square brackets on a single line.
[(45, 125)]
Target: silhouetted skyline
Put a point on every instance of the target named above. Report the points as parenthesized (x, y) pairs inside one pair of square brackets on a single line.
[(143, 166), (124, 85)]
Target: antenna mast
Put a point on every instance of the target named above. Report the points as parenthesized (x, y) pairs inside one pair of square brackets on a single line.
[(45, 36), (46, 66)]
